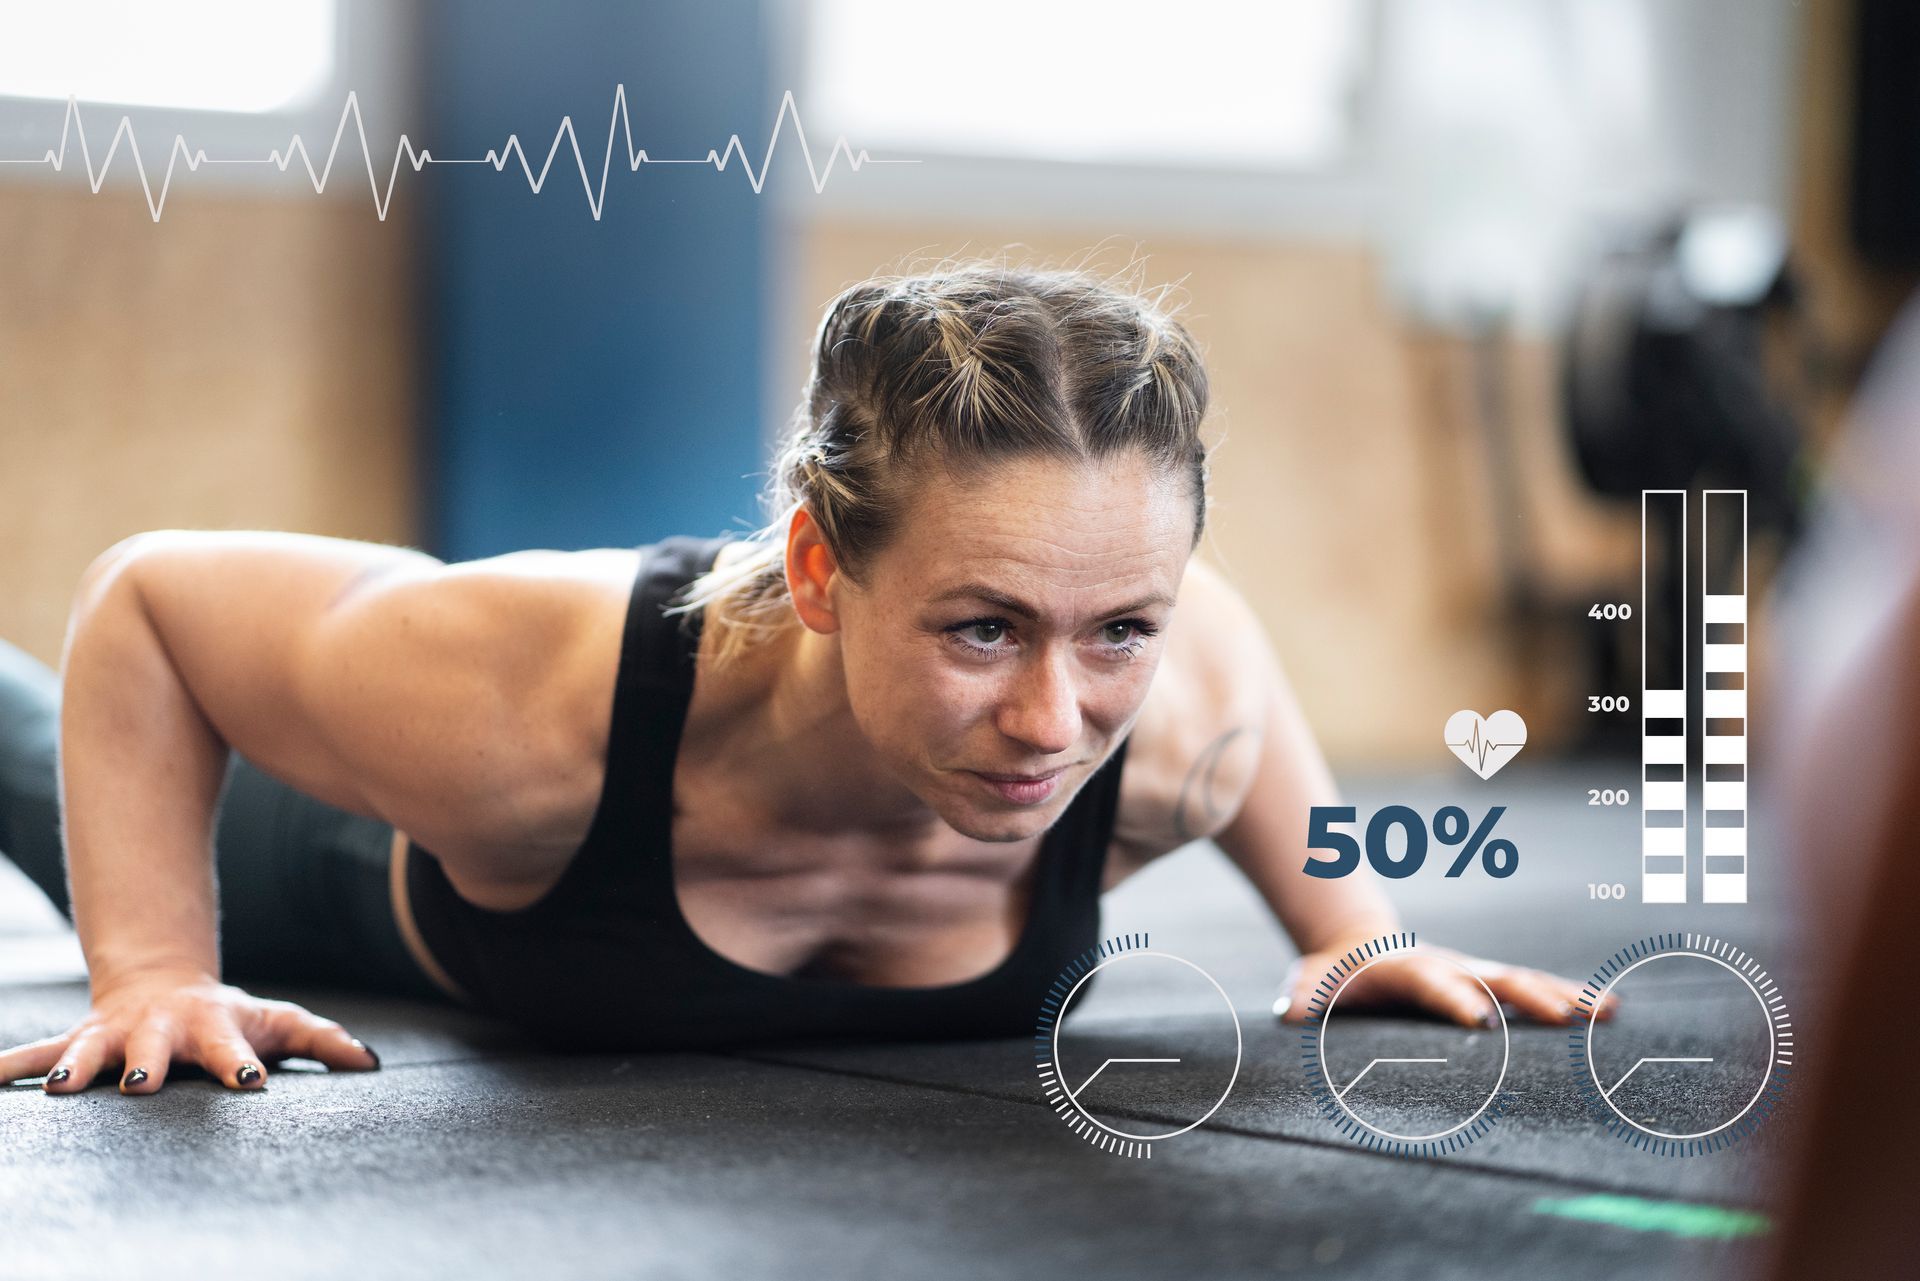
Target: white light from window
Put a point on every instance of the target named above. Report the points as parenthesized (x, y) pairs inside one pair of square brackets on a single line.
[(210, 55), (1206, 82)]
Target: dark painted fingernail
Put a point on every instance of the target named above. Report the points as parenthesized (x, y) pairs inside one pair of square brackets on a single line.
[(1486, 1020), (247, 1074), (59, 1074), (135, 1077), (359, 1044)]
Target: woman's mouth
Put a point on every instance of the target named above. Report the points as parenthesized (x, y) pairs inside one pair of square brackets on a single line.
[(1022, 789)]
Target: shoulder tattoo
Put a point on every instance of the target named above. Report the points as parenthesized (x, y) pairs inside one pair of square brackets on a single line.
[(1203, 801)]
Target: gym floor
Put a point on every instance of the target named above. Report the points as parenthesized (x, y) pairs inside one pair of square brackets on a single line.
[(472, 1153)]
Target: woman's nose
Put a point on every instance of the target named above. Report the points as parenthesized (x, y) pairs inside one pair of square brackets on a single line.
[(1043, 709)]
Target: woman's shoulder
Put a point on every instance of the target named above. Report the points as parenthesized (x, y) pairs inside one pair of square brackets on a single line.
[(571, 575), (1194, 748)]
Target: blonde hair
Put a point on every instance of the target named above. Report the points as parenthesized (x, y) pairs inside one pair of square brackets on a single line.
[(970, 362)]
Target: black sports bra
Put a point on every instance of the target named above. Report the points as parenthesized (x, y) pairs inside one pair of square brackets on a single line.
[(606, 960)]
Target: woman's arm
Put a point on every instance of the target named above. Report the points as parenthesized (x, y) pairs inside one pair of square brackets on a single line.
[(1267, 836), (142, 757), (1222, 751), (466, 704), (456, 701)]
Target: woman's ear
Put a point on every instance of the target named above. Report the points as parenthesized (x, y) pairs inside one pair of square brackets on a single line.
[(811, 570)]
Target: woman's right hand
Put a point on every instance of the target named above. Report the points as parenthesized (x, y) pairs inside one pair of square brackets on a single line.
[(152, 1018)]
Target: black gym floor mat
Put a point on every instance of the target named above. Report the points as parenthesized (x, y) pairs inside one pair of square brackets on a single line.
[(473, 1153)]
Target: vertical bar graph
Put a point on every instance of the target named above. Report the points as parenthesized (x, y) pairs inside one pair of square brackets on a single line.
[(1723, 692), (1663, 697)]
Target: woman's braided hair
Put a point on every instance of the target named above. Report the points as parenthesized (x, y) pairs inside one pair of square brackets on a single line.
[(967, 364)]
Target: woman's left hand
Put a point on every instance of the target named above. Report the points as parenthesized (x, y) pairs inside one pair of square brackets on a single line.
[(1423, 980)]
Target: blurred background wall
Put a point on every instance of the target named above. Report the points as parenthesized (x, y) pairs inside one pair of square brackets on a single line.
[(1377, 214)]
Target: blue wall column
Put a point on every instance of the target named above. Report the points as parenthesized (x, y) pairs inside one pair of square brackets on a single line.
[(592, 383)]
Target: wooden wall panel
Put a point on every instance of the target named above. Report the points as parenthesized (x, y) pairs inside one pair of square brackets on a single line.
[(244, 363)]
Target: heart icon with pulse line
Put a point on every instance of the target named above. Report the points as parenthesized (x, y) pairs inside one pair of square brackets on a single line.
[(1486, 743)]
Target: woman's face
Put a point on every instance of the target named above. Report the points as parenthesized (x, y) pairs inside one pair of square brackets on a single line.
[(1003, 643)]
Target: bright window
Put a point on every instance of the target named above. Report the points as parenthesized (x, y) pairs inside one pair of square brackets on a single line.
[(209, 55), (1204, 82)]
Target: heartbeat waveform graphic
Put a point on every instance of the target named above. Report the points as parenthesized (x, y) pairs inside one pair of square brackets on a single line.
[(72, 128), (1481, 748)]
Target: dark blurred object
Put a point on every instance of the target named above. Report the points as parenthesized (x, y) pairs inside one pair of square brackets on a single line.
[(1845, 753), (1850, 1196), (1884, 209), (1665, 377), (1667, 385)]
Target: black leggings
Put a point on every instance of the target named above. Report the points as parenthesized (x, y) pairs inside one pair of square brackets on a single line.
[(303, 886)]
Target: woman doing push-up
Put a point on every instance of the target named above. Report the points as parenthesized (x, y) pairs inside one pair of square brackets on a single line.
[(864, 774)]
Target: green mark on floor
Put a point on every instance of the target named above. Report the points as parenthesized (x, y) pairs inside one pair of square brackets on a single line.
[(1640, 1215)]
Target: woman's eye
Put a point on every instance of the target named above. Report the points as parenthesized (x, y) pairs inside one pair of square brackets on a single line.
[(981, 638), (1126, 637), (1122, 638)]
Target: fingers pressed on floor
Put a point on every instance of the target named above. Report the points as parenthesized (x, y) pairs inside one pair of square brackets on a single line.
[(1289, 1004), (148, 1055), (36, 1058), (85, 1055), (325, 1041), (227, 1055), (1450, 993), (1537, 996)]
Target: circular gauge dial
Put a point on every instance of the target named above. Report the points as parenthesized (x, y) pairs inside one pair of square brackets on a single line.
[(1409, 1088), (1697, 1050), (1123, 1091)]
